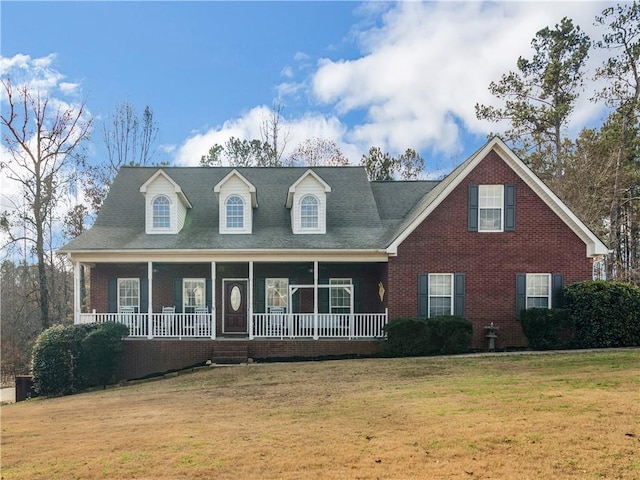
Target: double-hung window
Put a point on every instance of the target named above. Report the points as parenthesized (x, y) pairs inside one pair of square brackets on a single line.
[(161, 212), (193, 293), (309, 212), (440, 294), (538, 290), (490, 208), (340, 295), (129, 293), (235, 212), (277, 294)]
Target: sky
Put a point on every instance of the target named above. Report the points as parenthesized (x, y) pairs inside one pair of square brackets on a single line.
[(393, 75)]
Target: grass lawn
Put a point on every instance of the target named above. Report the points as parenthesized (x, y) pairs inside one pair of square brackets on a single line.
[(553, 416)]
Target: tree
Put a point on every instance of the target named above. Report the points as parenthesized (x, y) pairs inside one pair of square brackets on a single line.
[(622, 93), (540, 97), (129, 141), (380, 165), (273, 136), (318, 152), (43, 138)]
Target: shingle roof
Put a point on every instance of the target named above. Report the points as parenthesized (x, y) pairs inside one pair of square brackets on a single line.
[(360, 214)]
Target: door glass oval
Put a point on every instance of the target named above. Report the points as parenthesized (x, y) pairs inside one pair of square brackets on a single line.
[(235, 298)]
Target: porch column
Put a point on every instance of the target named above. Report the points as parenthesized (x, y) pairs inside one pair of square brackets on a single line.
[(315, 300), (150, 300), (76, 292), (250, 297), (213, 299)]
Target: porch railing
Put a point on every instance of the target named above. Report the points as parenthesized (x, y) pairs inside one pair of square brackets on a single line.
[(304, 325), (180, 325)]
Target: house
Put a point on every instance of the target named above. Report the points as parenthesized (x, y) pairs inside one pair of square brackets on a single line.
[(305, 262)]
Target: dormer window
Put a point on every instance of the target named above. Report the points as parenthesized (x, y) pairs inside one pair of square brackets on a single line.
[(161, 212), (309, 212), (235, 212)]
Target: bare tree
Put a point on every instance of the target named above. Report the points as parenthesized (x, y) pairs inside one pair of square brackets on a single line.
[(272, 134), (44, 139), (318, 152), (129, 141)]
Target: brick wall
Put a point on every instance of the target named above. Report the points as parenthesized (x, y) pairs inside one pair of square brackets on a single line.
[(541, 243), (142, 358)]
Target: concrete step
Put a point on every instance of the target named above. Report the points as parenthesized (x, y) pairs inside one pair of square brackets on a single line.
[(230, 352)]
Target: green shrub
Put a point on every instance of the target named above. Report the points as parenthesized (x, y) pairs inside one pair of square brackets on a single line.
[(406, 337), (69, 359), (547, 329), (605, 314)]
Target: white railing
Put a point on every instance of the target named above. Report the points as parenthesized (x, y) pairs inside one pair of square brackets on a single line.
[(180, 325), (305, 325)]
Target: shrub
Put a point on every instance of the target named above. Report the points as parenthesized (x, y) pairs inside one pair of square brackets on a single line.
[(69, 359), (605, 314), (416, 337), (546, 329)]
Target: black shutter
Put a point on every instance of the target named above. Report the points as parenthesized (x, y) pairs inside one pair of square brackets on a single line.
[(472, 215), (144, 295), (112, 295), (295, 298), (357, 295), (521, 293), (209, 294), (423, 295), (458, 288), (177, 295), (509, 208), (557, 285), (260, 300), (323, 297)]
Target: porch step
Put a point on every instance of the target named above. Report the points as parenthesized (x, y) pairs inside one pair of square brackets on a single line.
[(230, 351)]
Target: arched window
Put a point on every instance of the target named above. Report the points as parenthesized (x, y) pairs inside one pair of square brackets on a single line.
[(161, 212), (309, 212), (235, 212)]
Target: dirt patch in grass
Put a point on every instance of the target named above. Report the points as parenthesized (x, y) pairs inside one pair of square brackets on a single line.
[(522, 417)]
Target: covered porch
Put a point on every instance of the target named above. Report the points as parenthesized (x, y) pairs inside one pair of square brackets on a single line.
[(292, 299)]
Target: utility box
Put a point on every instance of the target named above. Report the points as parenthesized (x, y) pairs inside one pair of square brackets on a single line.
[(24, 388)]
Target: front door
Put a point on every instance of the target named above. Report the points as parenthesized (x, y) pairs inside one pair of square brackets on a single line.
[(235, 306)]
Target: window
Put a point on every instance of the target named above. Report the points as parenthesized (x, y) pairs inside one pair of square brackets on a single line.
[(193, 293), (490, 204), (309, 212), (277, 294), (538, 290), (235, 212), (339, 296), (161, 212), (129, 293), (440, 294)]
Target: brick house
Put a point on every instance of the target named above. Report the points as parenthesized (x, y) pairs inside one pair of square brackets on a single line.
[(225, 262)]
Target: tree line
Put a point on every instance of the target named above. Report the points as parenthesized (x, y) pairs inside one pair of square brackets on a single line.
[(596, 172)]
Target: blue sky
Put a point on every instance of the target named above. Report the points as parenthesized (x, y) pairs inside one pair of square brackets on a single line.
[(394, 75)]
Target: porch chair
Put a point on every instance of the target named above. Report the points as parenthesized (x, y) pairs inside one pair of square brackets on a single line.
[(201, 322), (127, 316), (167, 321)]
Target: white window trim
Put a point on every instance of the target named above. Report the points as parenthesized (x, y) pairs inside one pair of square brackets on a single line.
[(341, 283), (451, 296), (204, 291), (226, 212), (549, 286), (153, 215), (266, 294), (501, 229), (317, 227), (246, 215), (120, 280)]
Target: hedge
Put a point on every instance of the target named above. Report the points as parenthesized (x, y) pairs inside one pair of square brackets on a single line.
[(407, 337), (67, 359)]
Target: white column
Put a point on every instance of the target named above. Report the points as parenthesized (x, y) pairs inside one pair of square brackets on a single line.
[(213, 299), (250, 297), (150, 299), (315, 300), (76, 292)]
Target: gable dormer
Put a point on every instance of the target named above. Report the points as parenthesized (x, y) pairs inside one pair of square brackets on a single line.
[(307, 200), (165, 204), (236, 200)]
